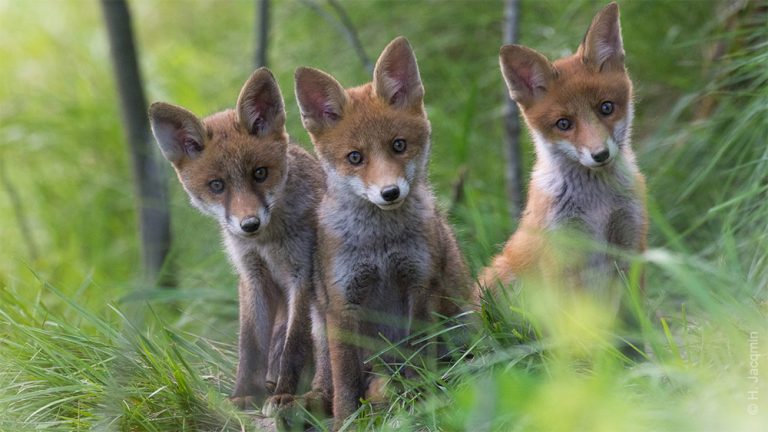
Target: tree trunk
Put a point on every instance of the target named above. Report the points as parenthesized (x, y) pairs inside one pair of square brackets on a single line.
[(149, 175), (512, 155), (351, 33), (262, 32), (344, 25)]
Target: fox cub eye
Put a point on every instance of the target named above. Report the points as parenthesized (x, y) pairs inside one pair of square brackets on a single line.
[(260, 174), (398, 145), (564, 124), (217, 186), (606, 108), (355, 158)]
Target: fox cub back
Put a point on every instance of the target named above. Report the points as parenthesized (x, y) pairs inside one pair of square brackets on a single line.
[(579, 112), (387, 258), (239, 167)]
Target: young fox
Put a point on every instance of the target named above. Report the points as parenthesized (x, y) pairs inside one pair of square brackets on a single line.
[(387, 258), (239, 167), (579, 112)]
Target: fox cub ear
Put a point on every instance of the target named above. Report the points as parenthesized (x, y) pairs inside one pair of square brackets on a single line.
[(526, 72), (178, 132), (396, 76), (320, 97), (602, 48), (260, 108)]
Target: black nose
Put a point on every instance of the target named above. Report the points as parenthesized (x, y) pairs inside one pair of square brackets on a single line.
[(601, 156), (250, 224), (390, 193)]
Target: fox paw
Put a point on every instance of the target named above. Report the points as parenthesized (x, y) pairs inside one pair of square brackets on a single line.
[(317, 401), (276, 402), (376, 392), (245, 402), (271, 385)]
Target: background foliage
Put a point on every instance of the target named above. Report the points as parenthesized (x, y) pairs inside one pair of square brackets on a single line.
[(82, 344)]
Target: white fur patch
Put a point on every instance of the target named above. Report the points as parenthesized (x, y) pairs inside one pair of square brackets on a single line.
[(568, 149), (373, 194), (543, 153), (355, 185), (343, 183), (211, 209), (545, 177)]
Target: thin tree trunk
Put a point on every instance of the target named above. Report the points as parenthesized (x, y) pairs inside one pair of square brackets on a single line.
[(149, 175), (351, 33), (18, 209), (262, 32), (344, 25), (513, 158)]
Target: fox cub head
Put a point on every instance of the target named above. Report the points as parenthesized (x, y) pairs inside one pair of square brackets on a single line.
[(578, 108), (233, 164), (372, 140)]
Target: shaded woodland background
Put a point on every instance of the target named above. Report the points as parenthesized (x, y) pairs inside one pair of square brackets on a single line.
[(87, 340)]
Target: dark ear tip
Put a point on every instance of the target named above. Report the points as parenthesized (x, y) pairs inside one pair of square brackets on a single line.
[(611, 9), (262, 76), (506, 49), (304, 71), (400, 40), (512, 50), (262, 71), (156, 107)]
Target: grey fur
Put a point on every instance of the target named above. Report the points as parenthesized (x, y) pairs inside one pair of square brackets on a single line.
[(389, 269), (275, 268)]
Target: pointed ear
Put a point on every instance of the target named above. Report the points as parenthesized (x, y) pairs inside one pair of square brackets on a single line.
[(178, 132), (320, 97), (260, 108), (602, 48), (396, 76), (527, 73)]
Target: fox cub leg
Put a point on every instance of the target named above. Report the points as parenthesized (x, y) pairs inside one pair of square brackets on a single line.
[(276, 352), (346, 364), (320, 398), (296, 349), (257, 317)]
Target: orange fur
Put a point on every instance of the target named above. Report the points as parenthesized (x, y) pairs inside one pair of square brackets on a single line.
[(395, 258), (609, 199)]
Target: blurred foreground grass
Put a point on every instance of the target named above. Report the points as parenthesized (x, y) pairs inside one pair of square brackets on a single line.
[(82, 346)]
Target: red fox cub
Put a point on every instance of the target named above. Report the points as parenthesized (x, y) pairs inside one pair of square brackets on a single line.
[(387, 258), (579, 112), (239, 167)]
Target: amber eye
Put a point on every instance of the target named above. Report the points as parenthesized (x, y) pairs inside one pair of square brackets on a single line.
[(260, 174), (355, 158), (216, 186), (398, 145), (564, 124), (606, 108)]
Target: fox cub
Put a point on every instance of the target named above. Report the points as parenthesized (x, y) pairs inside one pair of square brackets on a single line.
[(386, 259), (579, 112), (239, 167)]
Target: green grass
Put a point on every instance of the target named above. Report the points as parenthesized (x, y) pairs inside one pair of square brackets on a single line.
[(83, 345)]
